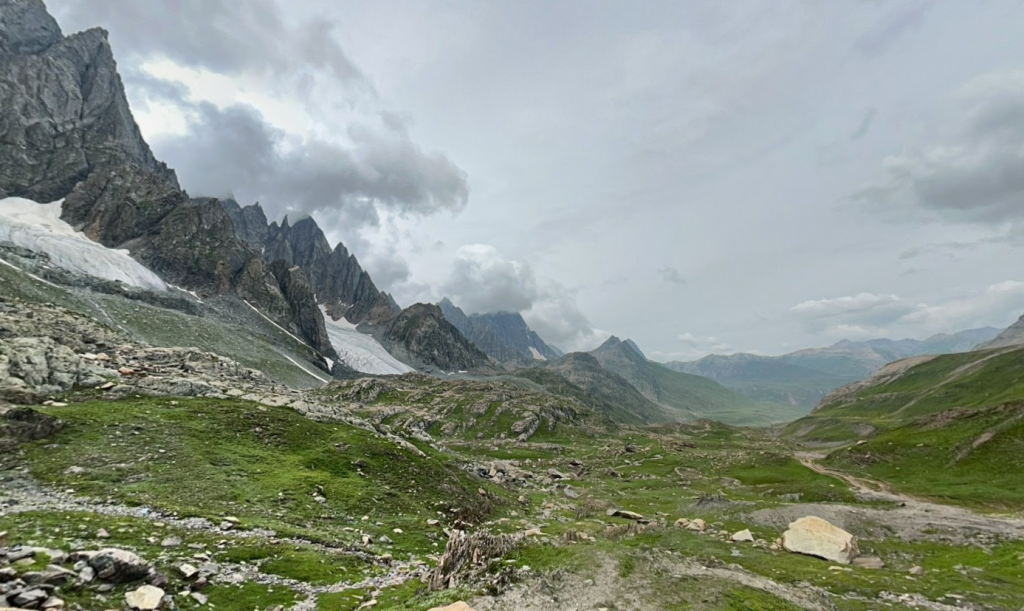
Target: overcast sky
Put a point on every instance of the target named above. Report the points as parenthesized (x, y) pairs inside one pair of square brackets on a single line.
[(698, 176)]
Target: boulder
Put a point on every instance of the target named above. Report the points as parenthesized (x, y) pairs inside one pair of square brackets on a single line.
[(698, 525), (868, 562), (146, 598), (814, 536), (743, 536), (116, 565)]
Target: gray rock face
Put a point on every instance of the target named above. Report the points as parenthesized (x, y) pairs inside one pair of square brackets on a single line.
[(65, 112), (302, 301), (338, 280), (250, 222), (421, 336), (504, 336)]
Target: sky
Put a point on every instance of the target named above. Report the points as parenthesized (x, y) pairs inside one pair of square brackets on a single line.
[(702, 176)]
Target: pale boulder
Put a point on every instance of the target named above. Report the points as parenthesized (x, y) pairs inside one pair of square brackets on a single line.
[(814, 536), (146, 598)]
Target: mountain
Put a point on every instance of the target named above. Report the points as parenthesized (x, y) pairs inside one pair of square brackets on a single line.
[(804, 377), (685, 396), (68, 134), (1012, 336), (422, 337), (505, 336), (948, 426)]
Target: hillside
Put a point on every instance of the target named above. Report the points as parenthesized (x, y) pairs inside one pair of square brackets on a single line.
[(946, 426), (684, 395)]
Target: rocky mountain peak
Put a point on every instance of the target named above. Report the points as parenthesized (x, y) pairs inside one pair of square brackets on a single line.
[(26, 28), (504, 336)]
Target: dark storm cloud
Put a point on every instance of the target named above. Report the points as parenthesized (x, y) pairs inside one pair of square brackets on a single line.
[(228, 37), (977, 176), (235, 151)]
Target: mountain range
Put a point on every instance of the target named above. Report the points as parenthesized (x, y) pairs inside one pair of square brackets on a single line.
[(804, 377), (505, 336)]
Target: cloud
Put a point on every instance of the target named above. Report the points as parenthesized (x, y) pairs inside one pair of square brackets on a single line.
[(483, 281), (253, 37), (868, 315), (865, 124), (672, 276), (235, 151), (706, 344), (895, 22), (978, 175)]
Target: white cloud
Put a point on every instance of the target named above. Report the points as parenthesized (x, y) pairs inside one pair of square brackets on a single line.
[(868, 316)]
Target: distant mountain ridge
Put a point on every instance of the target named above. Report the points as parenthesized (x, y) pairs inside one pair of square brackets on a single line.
[(685, 396), (804, 377), (504, 336), (1011, 336)]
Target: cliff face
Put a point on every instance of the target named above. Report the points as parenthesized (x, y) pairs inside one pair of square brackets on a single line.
[(421, 336), (504, 336), (65, 114), (66, 131)]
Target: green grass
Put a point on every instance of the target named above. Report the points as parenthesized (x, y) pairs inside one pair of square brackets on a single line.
[(779, 474), (216, 458), (968, 457)]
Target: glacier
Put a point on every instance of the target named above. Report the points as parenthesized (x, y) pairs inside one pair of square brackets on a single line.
[(360, 351), (39, 228)]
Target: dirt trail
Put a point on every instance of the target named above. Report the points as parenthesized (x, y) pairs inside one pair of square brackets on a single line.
[(867, 489)]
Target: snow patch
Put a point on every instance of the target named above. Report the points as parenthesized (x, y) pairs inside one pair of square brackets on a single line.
[(299, 365), (536, 354), (268, 319), (359, 351), (38, 227)]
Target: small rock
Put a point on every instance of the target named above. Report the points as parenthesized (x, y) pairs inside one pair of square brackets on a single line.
[(116, 565), (108, 386), (397, 531), (52, 603), (3, 538), (697, 525), (916, 570), (102, 534), (622, 513), (743, 536), (30, 598), (171, 542), (433, 522), (459, 606), (201, 599), (868, 562), (126, 371), (188, 571), (146, 598), (533, 532), (682, 523)]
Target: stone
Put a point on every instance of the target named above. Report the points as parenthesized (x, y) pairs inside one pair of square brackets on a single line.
[(188, 571), (201, 599), (102, 534), (8, 574), (743, 536), (682, 523), (117, 565), (814, 536), (171, 542), (3, 538), (52, 603), (87, 574), (146, 598), (622, 513), (916, 570), (30, 598), (698, 525), (459, 606), (868, 562)]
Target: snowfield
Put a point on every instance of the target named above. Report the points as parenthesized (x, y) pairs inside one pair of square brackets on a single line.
[(38, 228), (359, 351)]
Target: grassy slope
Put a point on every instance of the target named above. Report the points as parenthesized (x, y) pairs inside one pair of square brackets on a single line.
[(950, 428)]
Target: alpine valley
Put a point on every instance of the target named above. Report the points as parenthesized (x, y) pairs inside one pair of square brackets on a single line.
[(203, 407)]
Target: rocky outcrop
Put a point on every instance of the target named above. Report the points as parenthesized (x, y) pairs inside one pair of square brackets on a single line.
[(422, 337), (814, 536), (302, 301), (23, 424), (504, 336), (250, 222), (65, 112), (1012, 336), (338, 280)]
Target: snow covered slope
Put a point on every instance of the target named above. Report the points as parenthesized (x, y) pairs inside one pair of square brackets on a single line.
[(361, 352), (38, 227)]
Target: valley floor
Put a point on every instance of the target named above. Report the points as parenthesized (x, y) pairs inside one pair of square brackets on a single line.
[(273, 509)]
